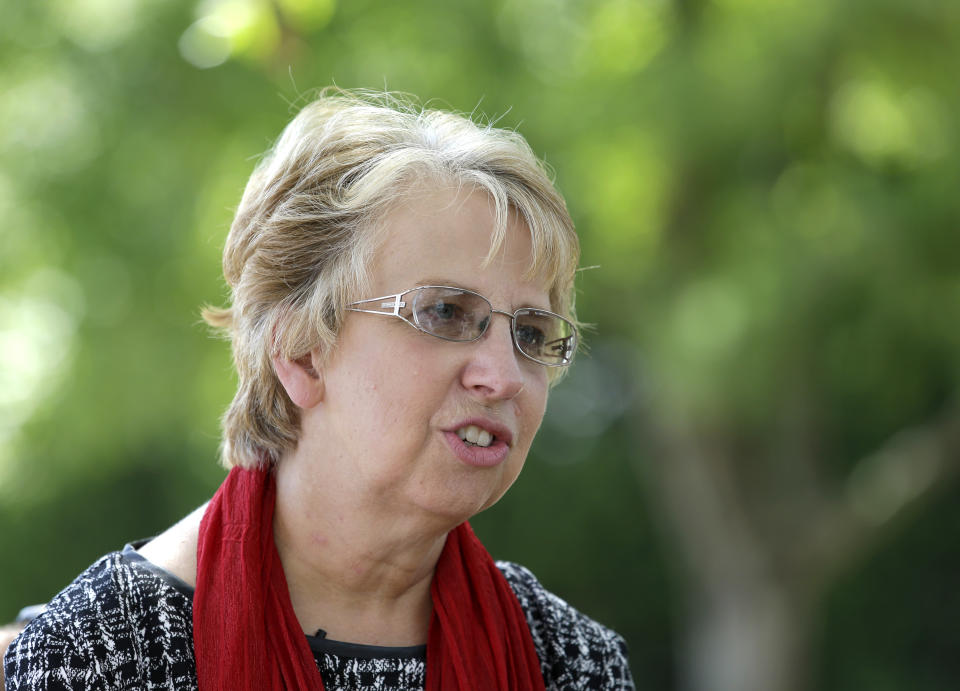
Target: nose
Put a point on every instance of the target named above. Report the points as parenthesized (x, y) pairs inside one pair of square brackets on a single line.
[(494, 371)]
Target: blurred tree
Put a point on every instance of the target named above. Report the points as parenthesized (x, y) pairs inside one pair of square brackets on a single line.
[(799, 324)]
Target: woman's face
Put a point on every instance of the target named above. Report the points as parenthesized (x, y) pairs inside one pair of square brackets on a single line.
[(395, 398)]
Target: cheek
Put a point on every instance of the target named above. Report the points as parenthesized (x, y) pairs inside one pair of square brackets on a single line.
[(534, 408), (396, 393), (378, 398)]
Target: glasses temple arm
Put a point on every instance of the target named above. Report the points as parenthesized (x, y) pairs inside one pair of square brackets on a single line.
[(393, 303)]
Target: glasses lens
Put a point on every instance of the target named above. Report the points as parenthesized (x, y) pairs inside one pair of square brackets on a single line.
[(544, 336), (456, 315)]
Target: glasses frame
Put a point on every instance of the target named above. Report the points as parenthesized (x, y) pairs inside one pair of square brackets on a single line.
[(394, 303)]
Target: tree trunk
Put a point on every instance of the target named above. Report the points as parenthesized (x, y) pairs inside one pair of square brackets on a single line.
[(746, 637), (752, 592)]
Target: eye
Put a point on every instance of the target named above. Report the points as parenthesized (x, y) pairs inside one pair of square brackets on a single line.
[(442, 310), (530, 337), (446, 318), (450, 313)]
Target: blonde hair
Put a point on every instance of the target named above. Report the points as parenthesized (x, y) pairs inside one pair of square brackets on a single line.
[(306, 229)]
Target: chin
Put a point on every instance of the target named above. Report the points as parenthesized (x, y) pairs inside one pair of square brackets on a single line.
[(460, 506)]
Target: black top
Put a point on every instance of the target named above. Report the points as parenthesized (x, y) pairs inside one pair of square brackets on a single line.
[(125, 623)]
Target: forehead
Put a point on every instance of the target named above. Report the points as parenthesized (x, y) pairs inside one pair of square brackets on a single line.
[(446, 233)]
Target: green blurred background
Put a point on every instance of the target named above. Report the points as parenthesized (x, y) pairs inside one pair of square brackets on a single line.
[(751, 474)]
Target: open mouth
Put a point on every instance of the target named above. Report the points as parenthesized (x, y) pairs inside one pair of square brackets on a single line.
[(471, 435)]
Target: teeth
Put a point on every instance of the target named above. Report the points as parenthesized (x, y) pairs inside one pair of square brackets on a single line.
[(475, 436), (471, 434)]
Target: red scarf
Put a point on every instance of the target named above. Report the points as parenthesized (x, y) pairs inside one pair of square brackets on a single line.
[(246, 636)]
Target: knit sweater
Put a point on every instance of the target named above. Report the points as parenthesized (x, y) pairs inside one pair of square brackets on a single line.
[(125, 623)]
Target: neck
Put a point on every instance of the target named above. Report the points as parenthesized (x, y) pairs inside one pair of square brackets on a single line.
[(354, 567)]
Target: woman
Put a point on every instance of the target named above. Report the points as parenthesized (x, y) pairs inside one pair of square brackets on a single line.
[(401, 301)]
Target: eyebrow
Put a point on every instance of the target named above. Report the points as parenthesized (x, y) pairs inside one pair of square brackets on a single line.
[(456, 284), (442, 282)]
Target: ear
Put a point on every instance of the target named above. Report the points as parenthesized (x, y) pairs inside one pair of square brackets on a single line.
[(301, 379)]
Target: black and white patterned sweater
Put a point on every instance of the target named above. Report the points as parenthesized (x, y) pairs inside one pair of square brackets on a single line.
[(125, 623)]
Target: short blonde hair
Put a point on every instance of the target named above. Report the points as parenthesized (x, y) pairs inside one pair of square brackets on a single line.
[(305, 231)]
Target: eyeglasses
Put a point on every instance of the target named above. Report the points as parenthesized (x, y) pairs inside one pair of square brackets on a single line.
[(456, 314)]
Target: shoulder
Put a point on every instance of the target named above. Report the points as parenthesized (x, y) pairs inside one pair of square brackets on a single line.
[(54, 651), (102, 630), (175, 549), (575, 651)]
